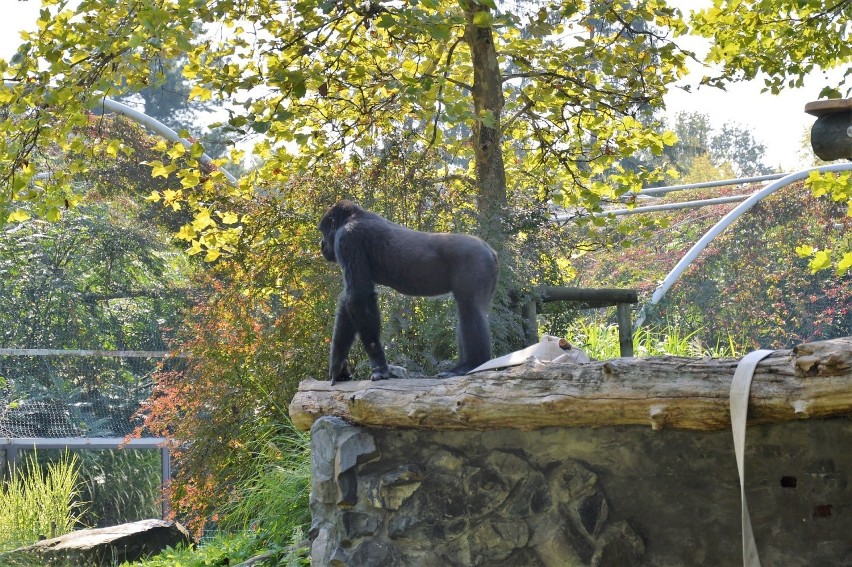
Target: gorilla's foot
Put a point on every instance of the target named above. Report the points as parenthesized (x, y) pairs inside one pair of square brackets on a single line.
[(344, 376), (457, 370), (381, 374)]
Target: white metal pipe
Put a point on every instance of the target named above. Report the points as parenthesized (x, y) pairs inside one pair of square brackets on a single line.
[(82, 442), (726, 221), (85, 352), (159, 128), (655, 191), (677, 206), (706, 184), (665, 207)]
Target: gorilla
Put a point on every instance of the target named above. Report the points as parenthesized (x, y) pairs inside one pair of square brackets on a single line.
[(373, 250)]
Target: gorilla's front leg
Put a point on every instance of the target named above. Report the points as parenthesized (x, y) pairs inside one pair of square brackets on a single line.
[(364, 311), (341, 341)]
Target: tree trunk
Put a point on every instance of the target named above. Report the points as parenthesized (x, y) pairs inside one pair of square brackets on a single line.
[(813, 380), (488, 106)]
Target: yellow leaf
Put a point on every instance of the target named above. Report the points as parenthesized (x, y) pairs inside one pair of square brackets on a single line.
[(202, 220), (199, 92), (194, 248), (804, 251), (186, 232), (160, 170), (669, 138), (178, 149), (153, 197), (79, 56), (820, 261), (113, 147), (229, 218), (197, 150), (211, 255), (844, 264), (18, 216), (191, 179)]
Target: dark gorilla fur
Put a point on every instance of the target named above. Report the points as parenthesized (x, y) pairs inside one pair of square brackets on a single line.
[(373, 250)]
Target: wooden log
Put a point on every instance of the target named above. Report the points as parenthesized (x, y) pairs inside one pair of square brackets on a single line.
[(593, 297), (813, 380)]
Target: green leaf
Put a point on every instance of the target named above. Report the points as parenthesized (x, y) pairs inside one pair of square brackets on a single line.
[(483, 19), (197, 150)]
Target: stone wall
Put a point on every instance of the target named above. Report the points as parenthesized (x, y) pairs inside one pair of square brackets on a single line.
[(612, 496)]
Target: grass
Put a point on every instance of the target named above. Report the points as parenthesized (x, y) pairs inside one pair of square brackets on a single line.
[(600, 341), (268, 514), (39, 502)]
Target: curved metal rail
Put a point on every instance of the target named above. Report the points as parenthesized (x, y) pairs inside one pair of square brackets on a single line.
[(726, 221)]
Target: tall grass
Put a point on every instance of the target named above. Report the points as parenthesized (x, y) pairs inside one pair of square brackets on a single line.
[(274, 499), (600, 341), (39, 502), (268, 513)]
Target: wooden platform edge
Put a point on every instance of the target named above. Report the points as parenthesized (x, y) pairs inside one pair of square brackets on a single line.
[(813, 380)]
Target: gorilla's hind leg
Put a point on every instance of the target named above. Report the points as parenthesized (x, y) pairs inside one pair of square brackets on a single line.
[(474, 338)]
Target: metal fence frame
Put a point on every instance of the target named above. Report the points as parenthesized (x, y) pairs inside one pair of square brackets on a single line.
[(11, 445)]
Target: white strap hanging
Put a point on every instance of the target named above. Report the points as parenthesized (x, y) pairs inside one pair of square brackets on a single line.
[(740, 387)]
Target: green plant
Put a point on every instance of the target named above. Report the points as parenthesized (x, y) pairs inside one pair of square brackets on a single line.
[(231, 549), (600, 341), (39, 501), (120, 485), (274, 500)]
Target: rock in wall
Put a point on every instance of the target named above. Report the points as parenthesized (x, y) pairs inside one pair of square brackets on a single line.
[(402, 498), (612, 496)]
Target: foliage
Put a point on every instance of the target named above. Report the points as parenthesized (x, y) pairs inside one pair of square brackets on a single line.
[(229, 549), (96, 279), (749, 285), (120, 485), (839, 187), (37, 503), (110, 487), (731, 147), (261, 330), (702, 170), (752, 284), (324, 82), (275, 499), (784, 41)]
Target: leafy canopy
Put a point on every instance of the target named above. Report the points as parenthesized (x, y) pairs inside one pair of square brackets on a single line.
[(781, 40), (318, 83), (784, 41)]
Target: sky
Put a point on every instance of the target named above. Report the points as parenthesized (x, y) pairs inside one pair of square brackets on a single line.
[(777, 121)]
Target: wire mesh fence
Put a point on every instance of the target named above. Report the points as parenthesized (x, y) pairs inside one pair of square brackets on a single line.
[(86, 401)]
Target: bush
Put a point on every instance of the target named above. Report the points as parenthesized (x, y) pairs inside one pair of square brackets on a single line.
[(39, 502)]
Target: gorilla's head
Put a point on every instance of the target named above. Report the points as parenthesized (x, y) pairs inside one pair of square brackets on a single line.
[(334, 218)]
